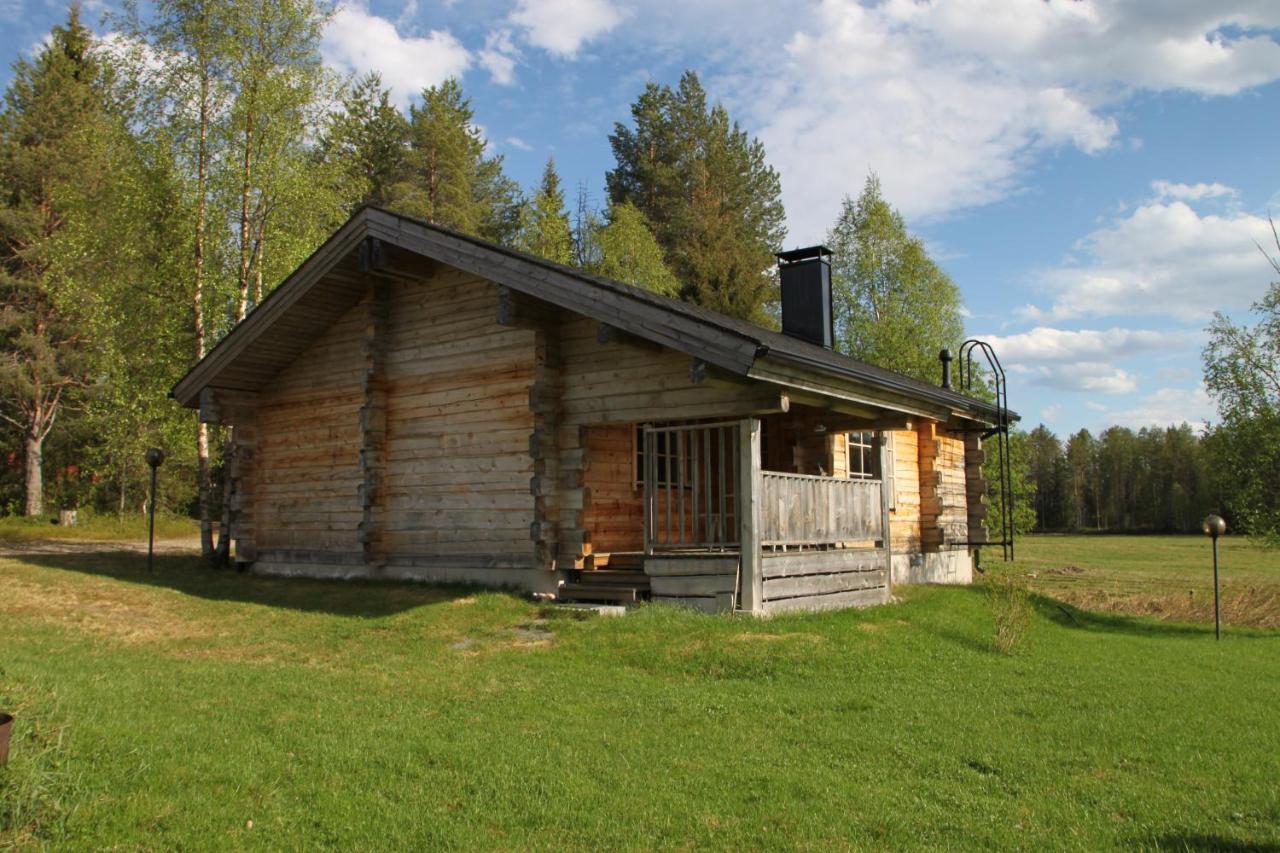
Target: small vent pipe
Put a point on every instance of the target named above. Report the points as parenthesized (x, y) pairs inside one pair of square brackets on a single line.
[(945, 358)]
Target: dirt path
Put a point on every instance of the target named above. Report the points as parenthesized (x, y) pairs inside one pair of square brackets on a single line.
[(87, 546)]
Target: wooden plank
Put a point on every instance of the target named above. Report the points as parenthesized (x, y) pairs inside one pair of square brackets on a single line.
[(857, 598), (810, 585), (797, 563), (692, 585)]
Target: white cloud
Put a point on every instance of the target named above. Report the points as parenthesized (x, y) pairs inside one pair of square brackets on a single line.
[(1049, 414), (357, 40), (950, 102), (1165, 407), (517, 142), (498, 57), (1094, 376), (562, 26), (1162, 258), (1169, 191), (1045, 344)]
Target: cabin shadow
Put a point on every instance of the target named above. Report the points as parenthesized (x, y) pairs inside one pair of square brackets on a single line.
[(191, 575)]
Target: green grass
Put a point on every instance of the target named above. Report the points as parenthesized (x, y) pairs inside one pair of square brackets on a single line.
[(171, 711), (95, 528), (1169, 577)]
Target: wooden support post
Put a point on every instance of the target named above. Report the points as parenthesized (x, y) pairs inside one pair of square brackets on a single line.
[(373, 420), (886, 502), (544, 441), (750, 494)]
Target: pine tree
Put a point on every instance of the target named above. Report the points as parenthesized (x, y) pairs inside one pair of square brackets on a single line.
[(52, 112), (449, 181), (706, 189), (893, 305), (630, 253), (368, 138), (545, 230)]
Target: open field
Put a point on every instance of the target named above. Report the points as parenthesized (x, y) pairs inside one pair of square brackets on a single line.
[(204, 709), (1168, 577)]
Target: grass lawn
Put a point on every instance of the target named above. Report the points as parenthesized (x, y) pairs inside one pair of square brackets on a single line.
[(96, 528), (197, 709)]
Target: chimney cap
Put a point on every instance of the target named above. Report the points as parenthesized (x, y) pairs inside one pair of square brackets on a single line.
[(806, 254)]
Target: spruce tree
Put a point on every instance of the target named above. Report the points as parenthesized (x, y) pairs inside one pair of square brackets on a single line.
[(545, 228), (893, 305), (53, 111), (710, 196)]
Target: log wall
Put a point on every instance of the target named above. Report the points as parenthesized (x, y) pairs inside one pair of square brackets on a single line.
[(459, 428), (306, 461), (944, 518)]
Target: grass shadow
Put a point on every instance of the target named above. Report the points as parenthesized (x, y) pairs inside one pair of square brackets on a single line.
[(191, 575), (1205, 843), (1070, 616)]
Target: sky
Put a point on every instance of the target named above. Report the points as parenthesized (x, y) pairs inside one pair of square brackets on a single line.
[(1095, 175)]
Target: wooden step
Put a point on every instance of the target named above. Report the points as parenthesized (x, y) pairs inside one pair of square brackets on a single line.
[(610, 576), (610, 593), (625, 561)]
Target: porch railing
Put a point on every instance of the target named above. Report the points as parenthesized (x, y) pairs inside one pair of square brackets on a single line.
[(690, 478), (801, 509)]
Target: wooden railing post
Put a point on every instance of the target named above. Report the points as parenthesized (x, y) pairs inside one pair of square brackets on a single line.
[(750, 489), (886, 501)]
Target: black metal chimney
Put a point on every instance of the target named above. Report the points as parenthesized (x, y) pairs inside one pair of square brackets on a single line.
[(806, 295), (945, 358)]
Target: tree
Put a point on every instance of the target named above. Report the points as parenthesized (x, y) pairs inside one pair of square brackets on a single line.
[(52, 112), (368, 139), (1242, 374), (893, 305), (707, 191), (630, 253), (449, 181), (1048, 477), (187, 97), (545, 230)]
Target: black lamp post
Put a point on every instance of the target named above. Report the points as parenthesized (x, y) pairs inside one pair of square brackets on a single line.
[(155, 458), (1214, 526)]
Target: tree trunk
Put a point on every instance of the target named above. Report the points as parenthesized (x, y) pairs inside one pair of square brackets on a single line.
[(202, 430), (33, 476)]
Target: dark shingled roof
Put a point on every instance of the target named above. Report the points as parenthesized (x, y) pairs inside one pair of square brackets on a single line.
[(767, 341)]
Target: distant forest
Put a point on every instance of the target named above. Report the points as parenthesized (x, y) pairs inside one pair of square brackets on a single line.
[(1155, 480)]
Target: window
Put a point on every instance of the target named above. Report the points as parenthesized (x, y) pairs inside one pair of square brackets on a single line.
[(864, 464), (666, 456), (862, 455)]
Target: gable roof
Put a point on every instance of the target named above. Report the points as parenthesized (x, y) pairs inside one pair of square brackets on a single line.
[(331, 281)]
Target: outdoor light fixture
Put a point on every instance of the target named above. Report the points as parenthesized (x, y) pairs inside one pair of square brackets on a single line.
[(155, 458), (1214, 526)]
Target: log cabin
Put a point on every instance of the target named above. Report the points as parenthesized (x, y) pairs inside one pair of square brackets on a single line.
[(414, 403)]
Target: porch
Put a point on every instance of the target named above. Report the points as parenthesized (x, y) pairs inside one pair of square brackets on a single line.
[(694, 515)]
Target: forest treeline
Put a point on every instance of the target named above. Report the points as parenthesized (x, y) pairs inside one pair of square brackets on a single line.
[(155, 186)]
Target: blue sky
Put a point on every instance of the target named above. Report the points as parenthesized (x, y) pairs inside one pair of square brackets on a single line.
[(1093, 174)]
